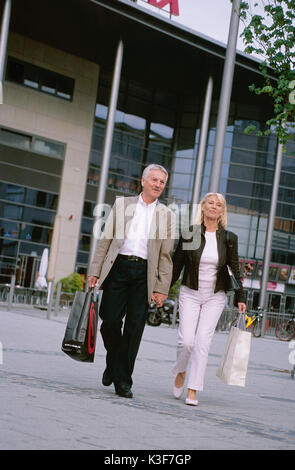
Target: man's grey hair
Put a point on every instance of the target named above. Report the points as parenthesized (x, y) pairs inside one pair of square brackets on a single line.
[(154, 166)]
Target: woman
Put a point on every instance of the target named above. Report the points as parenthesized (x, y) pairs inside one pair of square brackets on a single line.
[(202, 293)]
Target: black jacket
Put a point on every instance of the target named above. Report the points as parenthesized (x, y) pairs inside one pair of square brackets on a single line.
[(189, 257)]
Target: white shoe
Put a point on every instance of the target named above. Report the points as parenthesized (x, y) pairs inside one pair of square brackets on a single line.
[(190, 401), (178, 391)]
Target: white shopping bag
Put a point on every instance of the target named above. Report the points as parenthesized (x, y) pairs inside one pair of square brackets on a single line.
[(234, 362)]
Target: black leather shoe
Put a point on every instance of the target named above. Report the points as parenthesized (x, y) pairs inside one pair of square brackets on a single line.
[(106, 379), (123, 390)]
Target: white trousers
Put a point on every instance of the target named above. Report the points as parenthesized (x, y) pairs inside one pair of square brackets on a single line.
[(199, 312)]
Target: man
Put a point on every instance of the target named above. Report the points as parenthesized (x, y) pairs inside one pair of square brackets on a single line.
[(133, 266)]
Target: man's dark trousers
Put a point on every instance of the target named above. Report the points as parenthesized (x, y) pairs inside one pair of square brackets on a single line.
[(124, 293)]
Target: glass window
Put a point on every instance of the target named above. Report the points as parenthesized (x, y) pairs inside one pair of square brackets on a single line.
[(84, 243), (11, 211), (39, 78), (182, 181), (87, 226), (180, 196), (11, 192), (93, 176), (95, 158), (287, 179), (29, 142), (47, 82), (38, 216), (88, 209), (237, 201), (7, 268), (31, 76), (15, 71), (288, 164), (41, 199), (9, 229), (240, 187), (8, 247), (15, 139), (27, 248), (97, 139), (52, 149), (35, 234), (101, 111), (158, 131), (64, 87), (184, 165), (236, 171), (82, 258)]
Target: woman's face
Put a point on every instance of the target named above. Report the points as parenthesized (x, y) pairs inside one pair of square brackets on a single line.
[(212, 208)]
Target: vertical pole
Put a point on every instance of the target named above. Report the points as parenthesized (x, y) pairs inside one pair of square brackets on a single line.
[(50, 300), (107, 146), (269, 234), (11, 292), (57, 298), (224, 102), (202, 148), (3, 43)]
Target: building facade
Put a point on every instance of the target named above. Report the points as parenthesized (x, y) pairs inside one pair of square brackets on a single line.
[(56, 94)]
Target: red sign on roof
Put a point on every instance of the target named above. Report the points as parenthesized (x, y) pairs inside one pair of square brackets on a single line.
[(174, 9)]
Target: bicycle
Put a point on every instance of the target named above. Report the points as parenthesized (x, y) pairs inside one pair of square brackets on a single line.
[(253, 322), (285, 330)]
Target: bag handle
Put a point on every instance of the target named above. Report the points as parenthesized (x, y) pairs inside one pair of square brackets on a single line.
[(227, 242), (241, 322)]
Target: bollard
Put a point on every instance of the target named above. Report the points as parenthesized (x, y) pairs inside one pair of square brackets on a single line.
[(11, 292), (50, 299), (57, 298)]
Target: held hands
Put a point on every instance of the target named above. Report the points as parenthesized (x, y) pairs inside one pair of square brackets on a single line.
[(242, 307), (158, 298), (92, 281)]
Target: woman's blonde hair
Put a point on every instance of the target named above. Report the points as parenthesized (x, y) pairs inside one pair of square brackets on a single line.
[(200, 212)]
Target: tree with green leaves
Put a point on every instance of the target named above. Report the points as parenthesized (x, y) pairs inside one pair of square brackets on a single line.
[(269, 32)]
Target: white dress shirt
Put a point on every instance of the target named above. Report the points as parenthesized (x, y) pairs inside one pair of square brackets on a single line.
[(136, 241)]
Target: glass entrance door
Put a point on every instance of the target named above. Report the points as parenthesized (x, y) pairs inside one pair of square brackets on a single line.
[(27, 269)]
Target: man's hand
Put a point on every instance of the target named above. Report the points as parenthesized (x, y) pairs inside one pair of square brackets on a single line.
[(92, 280), (158, 298)]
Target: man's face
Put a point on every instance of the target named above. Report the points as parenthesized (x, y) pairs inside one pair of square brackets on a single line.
[(153, 185)]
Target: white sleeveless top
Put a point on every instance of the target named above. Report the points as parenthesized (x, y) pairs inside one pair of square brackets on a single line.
[(209, 260)]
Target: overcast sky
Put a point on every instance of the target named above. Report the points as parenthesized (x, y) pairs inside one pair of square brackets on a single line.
[(209, 17)]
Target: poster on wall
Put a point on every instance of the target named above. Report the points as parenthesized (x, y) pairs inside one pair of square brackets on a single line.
[(259, 269), (249, 268), (284, 273), (292, 276), (273, 272)]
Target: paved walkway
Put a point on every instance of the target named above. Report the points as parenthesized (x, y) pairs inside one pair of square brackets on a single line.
[(49, 401)]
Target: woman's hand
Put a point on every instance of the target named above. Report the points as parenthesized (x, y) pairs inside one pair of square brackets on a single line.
[(242, 307)]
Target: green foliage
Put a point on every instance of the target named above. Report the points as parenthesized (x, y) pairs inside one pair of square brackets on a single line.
[(72, 283), (174, 291), (269, 31)]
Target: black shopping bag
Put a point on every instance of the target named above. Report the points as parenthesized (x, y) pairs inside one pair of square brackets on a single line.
[(80, 336)]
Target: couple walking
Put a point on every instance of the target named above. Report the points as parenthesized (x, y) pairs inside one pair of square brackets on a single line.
[(133, 266)]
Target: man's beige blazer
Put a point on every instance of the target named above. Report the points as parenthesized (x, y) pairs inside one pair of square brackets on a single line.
[(160, 244)]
